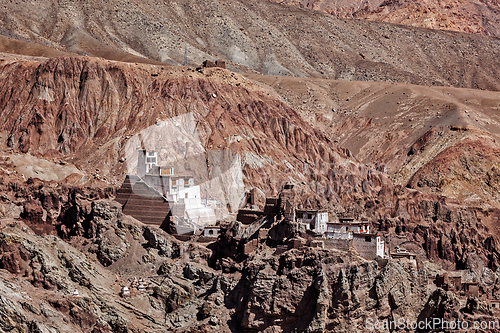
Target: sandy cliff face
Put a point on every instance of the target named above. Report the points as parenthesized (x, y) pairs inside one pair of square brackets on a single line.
[(85, 110)]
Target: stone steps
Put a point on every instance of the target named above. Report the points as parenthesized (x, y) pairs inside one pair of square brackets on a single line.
[(142, 202)]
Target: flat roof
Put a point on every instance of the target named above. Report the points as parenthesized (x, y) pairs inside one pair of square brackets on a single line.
[(366, 234), (311, 210), (170, 176), (402, 254), (349, 223)]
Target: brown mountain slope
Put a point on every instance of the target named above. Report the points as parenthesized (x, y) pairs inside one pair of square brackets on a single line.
[(260, 36), (471, 16), (83, 111), (408, 131)]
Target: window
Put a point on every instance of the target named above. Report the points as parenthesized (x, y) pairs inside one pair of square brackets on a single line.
[(185, 195), (368, 238), (210, 232)]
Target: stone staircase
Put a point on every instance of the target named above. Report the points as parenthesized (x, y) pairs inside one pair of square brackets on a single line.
[(142, 202)]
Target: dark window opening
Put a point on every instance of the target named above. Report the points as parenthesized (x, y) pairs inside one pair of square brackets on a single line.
[(368, 238)]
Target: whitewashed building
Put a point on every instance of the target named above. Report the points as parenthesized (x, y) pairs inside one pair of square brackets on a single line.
[(211, 231), (401, 253), (314, 220), (369, 246), (345, 227), (176, 189)]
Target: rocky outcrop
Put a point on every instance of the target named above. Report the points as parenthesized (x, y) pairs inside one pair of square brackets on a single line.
[(286, 148), (13, 257), (164, 246), (50, 264), (306, 289), (109, 240), (441, 304), (319, 291), (51, 209), (49, 270), (10, 210)]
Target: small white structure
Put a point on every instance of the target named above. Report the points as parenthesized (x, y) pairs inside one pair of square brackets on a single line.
[(369, 246), (400, 253), (151, 160), (176, 189), (125, 292), (195, 209), (315, 220), (211, 231), (76, 293)]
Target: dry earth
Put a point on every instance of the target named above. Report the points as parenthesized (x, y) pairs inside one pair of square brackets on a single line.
[(471, 16), (252, 36), (434, 139), (67, 121), (78, 113)]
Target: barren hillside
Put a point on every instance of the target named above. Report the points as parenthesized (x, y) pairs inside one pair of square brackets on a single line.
[(81, 112), (434, 139), (255, 36), (66, 123), (377, 122), (470, 16)]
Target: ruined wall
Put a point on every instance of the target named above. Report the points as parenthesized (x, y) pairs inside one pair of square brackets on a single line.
[(338, 244), (367, 250)]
